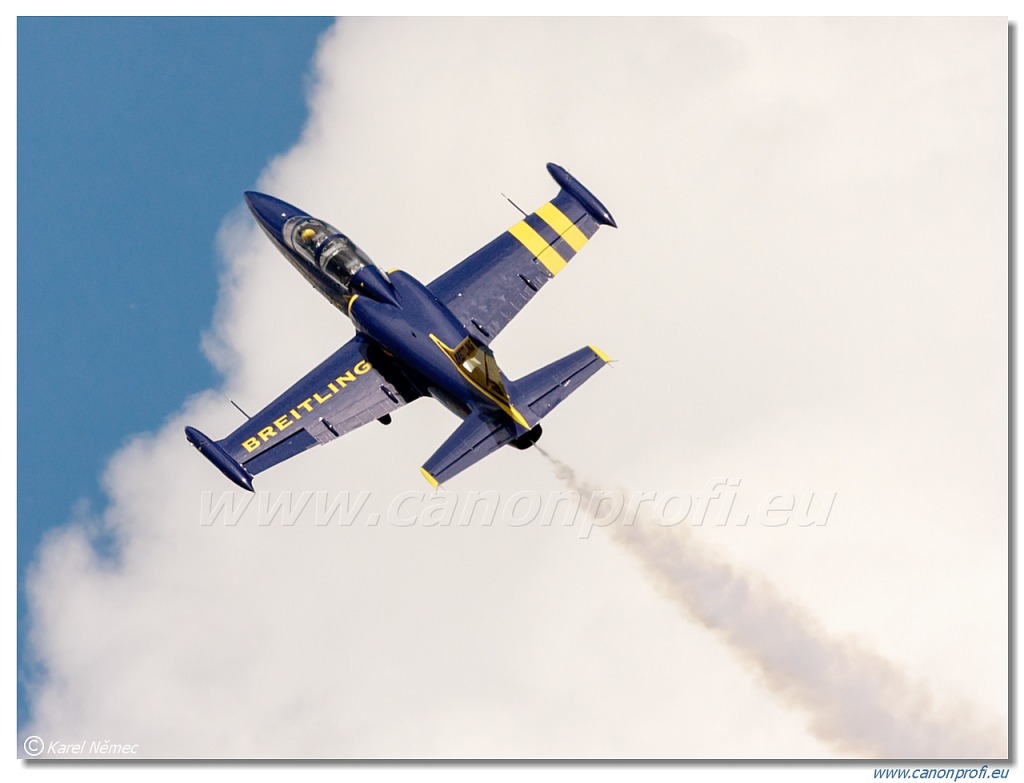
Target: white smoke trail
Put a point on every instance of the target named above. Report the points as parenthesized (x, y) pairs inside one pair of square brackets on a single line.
[(857, 700)]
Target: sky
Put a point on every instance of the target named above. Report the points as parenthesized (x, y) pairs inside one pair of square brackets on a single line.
[(806, 297), (165, 124)]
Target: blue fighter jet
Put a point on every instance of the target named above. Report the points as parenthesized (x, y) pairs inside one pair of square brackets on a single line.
[(414, 340)]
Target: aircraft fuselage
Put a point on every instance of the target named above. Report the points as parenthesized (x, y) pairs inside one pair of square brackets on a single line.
[(396, 312)]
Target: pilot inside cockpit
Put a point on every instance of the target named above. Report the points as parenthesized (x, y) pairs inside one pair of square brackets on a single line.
[(329, 249)]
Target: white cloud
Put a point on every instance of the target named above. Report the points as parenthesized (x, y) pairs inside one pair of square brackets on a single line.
[(807, 291)]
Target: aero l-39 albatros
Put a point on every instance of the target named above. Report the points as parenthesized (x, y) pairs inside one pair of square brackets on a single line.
[(414, 340)]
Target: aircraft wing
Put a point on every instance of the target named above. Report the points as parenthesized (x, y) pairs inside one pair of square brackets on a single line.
[(489, 288), (354, 385)]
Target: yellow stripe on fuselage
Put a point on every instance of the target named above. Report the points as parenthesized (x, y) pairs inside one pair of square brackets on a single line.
[(535, 243), (564, 227)]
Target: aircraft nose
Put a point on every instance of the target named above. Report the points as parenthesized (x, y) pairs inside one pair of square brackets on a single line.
[(270, 212)]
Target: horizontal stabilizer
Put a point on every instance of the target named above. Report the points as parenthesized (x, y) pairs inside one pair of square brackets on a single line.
[(542, 390), (476, 437)]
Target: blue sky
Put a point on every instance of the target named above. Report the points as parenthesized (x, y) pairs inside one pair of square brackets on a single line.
[(136, 137)]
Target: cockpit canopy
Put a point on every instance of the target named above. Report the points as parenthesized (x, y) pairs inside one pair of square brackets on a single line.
[(322, 244)]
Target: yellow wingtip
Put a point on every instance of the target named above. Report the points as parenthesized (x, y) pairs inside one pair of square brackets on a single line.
[(433, 481), (600, 354)]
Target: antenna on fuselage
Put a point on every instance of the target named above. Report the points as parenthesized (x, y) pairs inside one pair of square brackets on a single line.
[(514, 204), (237, 406)]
